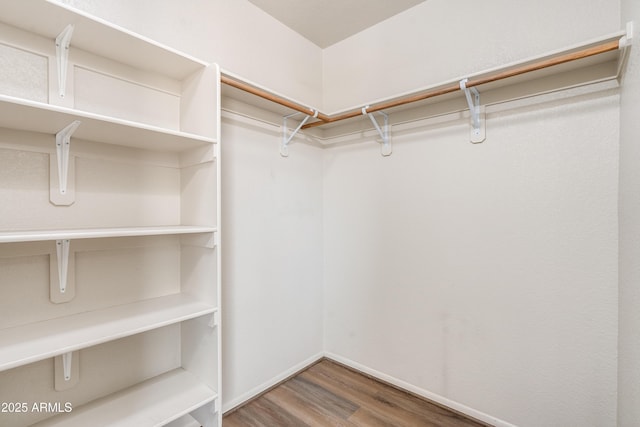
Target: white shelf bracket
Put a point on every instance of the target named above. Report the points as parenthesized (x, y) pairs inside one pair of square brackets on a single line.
[(62, 252), (478, 131), (67, 358), (383, 131), (62, 272), (63, 41), (67, 371), (286, 139), (63, 146)]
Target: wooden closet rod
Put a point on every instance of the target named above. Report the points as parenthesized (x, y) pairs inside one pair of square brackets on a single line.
[(270, 96), (455, 86), (442, 90)]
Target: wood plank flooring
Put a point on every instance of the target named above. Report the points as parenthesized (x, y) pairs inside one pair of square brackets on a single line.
[(328, 394)]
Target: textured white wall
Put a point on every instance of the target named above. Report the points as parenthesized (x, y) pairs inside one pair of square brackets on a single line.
[(629, 364), (486, 274), (272, 266), (233, 33), (439, 40)]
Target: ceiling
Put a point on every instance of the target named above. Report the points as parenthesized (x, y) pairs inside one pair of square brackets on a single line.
[(326, 22)]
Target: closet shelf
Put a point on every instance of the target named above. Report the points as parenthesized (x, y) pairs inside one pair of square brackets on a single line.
[(21, 114), (98, 36), (98, 233), (30, 343), (153, 403)]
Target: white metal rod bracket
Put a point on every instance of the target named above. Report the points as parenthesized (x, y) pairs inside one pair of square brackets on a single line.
[(286, 139), (478, 132), (63, 41), (383, 131)]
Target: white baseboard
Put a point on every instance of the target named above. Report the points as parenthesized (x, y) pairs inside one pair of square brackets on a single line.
[(481, 416), (256, 391)]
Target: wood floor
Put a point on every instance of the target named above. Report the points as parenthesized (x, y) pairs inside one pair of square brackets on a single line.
[(328, 394)]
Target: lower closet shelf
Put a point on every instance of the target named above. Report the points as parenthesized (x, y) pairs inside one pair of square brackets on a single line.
[(152, 403), (37, 341)]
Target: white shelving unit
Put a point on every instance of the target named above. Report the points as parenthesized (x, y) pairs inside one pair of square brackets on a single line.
[(109, 225)]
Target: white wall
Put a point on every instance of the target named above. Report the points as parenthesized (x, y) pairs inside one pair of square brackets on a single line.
[(272, 295), (486, 274), (439, 40), (629, 366), (233, 33)]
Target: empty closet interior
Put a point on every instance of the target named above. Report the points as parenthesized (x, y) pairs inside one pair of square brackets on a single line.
[(197, 202)]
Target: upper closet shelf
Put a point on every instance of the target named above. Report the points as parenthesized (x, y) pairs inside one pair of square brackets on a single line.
[(98, 36), (21, 114), (97, 233)]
